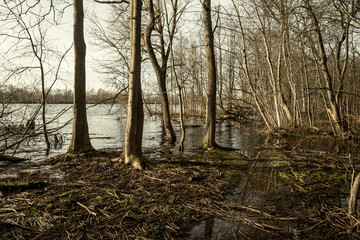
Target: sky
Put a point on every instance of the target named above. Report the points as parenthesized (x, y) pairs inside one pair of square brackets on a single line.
[(58, 39), (92, 9), (61, 37)]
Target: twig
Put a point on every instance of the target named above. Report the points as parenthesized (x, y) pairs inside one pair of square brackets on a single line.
[(86, 208)]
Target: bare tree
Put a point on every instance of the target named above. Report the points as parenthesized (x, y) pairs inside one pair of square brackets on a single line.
[(333, 93), (209, 139), (80, 139), (174, 73), (114, 43), (135, 116), (28, 53), (156, 23)]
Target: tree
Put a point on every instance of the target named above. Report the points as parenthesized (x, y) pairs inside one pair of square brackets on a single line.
[(80, 140), (28, 54), (333, 94), (174, 73), (135, 115), (209, 139), (155, 22)]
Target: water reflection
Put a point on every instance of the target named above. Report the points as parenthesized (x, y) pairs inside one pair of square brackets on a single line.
[(258, 183), (107, 131)]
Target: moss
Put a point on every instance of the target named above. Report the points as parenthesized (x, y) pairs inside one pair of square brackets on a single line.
[(303, 135), (21, 186), (210, 146), (273, 155)]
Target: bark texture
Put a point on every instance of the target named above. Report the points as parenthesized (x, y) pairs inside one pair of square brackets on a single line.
[(135, 116), (333, 95), (160, 68), (80, 140), (209, 139), (354, 195)]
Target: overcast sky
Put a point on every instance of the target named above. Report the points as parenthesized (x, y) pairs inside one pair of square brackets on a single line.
[(61, 38)]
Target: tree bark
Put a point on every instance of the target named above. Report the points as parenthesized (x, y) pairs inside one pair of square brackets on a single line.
[(4, 157), (174, 73), (160, 70), (354, 195), (80, 140), (334, 110), (135, 116), (209, 139)]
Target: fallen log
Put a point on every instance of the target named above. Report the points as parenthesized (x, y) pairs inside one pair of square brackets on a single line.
[(8, 158)]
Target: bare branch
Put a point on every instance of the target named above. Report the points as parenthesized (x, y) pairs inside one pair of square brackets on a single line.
[(112, 2)]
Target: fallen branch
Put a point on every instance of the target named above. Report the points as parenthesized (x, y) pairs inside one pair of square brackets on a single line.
[(8, 158), (87, 209)]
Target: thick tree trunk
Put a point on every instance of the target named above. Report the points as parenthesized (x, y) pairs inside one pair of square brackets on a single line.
[(80, 140), (135, 116), (209, 139)]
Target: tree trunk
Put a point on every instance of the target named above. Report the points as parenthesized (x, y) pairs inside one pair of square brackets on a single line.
[(354, 194), (334, 105), (160, 70), (4, 157), (80, 140), (135, 116), (166, 120), (174, 73), (209, 139), (43, 96)]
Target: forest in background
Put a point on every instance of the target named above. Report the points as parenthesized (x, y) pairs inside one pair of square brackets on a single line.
[(294, 63), (11, 95)]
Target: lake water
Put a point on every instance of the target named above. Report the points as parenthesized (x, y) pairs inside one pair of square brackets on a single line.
[(107, 130)]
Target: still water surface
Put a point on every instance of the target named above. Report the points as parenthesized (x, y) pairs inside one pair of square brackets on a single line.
[(107, 130)]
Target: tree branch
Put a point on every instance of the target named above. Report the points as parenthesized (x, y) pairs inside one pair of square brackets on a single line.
[(112, 2)]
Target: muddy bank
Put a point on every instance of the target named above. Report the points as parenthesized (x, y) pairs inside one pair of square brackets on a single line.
[(281, 192)]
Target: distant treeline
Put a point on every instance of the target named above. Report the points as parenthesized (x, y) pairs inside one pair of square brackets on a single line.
[(57, 96)]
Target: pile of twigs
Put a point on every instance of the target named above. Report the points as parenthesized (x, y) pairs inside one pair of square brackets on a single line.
[(102, 199)]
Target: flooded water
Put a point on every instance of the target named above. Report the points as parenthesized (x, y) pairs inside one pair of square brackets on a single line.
[(258, 183), (107, 131)]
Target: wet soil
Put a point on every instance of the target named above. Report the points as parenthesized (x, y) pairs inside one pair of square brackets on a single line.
[(281, 192)]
